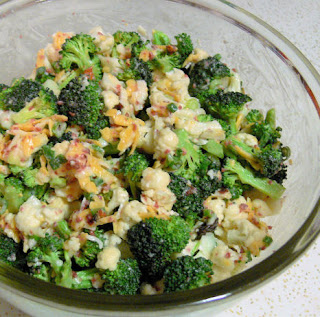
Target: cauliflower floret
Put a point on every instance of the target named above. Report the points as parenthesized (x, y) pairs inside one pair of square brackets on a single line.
[(235, 210), (137, 92), (72, 245), (6, 119), (119, 197), (128, 216), (224, 261), (166, 143), (110, 99), (154, 178), (246, 234), (146, 138), (217, 206), (261, 208), (159, 198), (110, 64), (108, 258), (9, 227), (104, 41)]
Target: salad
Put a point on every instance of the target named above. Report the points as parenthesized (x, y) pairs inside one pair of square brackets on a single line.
[(133, 166)]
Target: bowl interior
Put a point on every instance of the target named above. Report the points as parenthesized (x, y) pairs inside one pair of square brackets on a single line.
[(268, 77)]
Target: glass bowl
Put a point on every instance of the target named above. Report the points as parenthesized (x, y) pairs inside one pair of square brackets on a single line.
[(274, 74)]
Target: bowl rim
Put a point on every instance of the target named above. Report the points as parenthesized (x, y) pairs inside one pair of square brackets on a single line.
[(53, 295)]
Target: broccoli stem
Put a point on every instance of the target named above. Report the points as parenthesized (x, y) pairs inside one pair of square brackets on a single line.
[(266, 186), (271, 118), (84, 279), (214, 148), (63, 229)]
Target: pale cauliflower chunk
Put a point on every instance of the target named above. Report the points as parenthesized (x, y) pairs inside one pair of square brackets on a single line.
[(35, 217), (72, 245), (103, 41), (119, 197), (108, 258), (110, 64), (234, 83), (261, 208), (198, 55), (154, 179), (6, 119), (245, 233), (9, 227), (166, 142), (110, 99), (217, 206), (186, 119), (146, 138), (234, 211), (224, 261), (128, 216), (137, 92)]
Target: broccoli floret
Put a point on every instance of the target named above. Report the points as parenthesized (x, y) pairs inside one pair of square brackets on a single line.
[(42, 272), (14, 193), (160, 38), (165, 61), (124, 280), (265, 185), (232, 182), (127, 38), (22, 91), (63, 230), (50, 155), (83, 279), (203, 72), (80, 52), (153, 241), (47, 250), (268, 160), (189, 201), (223, 105), (11, 253), (3, 87), (93, 132), (187, 273), (29, 177), (42, 75), (80, 102), (265, 133), (132, 166), (136, 68), (254, 116), (184, 45), (89, 251), (186, 159), (65, 137), (40, 107)]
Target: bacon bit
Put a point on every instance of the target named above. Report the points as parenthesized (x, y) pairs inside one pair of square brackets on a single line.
[(184, 151), (263, 247), (72, 114), (191, 190), (90, 219), (74, 274), (223, 191), (269, 181), (20, 36), (78, 219), (269, 227), (228, 255), (234, 70), (156, 205), (243, 207), (101, 213), (167, 151), (255, 221), (89, 73), (60, 102)]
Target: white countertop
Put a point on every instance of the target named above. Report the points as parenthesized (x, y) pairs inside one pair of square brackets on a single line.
[(296, 292)]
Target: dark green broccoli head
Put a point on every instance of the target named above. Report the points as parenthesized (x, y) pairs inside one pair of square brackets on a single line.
[(42, 75), (132, 167), (136, 69), (265, 133), (184, 45), (254, 116), (89, 251), (165, 61), (11, 253), (124, 280), (80, 52), (187, 273), (80, 102), (44, 105), (271, 161), (42, 272), (152, 242), (189, 201), (22, 91), (203, 72), (93, 132), (64, 137), (3, 87), (223, 105)]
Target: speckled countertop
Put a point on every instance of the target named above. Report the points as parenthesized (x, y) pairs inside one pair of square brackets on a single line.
[(296, 292)]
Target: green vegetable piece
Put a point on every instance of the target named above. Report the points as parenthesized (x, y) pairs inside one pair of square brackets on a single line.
[(160, 38), (214, 148), (172, 107)]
